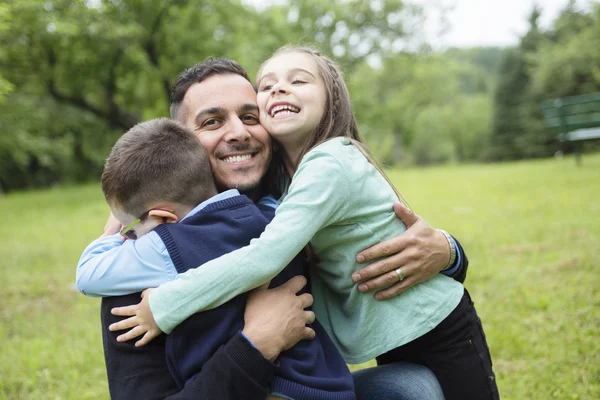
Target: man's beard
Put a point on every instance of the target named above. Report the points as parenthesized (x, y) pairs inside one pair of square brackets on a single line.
[(245, 179)]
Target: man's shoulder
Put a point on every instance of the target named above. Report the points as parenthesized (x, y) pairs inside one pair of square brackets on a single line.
[(268, 202)]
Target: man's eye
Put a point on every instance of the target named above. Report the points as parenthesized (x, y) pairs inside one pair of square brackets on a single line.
[(209, 123), (266, 87), (298, 81), (250, 119)]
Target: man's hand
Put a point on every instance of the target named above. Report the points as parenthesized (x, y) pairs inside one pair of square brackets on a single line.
[(275, 319), (112, 226), (142, 322), (421, 252)]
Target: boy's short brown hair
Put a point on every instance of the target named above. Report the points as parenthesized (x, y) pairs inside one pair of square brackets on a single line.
[(157, 160)]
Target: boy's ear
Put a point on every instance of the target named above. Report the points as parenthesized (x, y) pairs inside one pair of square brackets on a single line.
[(168, 216)]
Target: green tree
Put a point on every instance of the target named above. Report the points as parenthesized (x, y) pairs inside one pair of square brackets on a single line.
[(388, 99), (513, 134), (569, 63), (100, 67)]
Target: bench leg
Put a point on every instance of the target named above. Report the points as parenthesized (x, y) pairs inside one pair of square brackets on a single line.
[(578, 152)]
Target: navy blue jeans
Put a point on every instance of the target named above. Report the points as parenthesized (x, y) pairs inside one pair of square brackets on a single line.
[(397, 381)]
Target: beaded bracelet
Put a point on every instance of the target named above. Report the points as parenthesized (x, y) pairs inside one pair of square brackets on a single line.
[(452, 248)]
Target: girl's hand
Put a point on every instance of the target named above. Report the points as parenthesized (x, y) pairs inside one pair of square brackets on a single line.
[(141, 321)]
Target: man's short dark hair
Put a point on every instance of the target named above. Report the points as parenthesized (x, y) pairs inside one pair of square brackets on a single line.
[(158, 160), (196, 74)]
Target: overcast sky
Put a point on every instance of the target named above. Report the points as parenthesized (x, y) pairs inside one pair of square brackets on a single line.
[(479, 22), (489, 22)]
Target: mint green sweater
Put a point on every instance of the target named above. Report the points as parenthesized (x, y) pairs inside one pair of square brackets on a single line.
[(341, 204)]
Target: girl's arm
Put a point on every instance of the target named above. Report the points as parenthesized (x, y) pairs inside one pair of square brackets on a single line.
[(316, 198), (111, 267)]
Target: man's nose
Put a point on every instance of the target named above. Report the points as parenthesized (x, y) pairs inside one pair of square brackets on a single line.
[(237, 131)]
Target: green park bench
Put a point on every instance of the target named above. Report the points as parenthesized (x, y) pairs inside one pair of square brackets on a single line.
[(575, 119)]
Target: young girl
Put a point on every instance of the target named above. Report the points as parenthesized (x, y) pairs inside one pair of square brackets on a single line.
[(337, 201)]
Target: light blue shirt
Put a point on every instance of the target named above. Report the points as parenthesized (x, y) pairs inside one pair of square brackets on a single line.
[(110, 266)]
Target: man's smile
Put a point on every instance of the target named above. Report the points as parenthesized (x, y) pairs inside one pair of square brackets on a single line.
[(238, 158)]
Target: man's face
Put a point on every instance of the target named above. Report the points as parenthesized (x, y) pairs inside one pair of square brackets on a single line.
[(223, 114)]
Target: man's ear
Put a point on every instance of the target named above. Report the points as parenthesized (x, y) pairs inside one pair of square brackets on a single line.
[(167, 216)]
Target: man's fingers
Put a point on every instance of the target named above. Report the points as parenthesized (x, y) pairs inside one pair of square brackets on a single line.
[(295, 284), (380, 267), (306, 299), (135, 332), (405, 214), (112, 226), (126, 311), (386, 278), (309, 334), (310, 317), (146, 292), (395, 289), (125, 324), (383, 249)]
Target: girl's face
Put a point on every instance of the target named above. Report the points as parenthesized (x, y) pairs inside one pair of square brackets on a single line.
[(291, 98)]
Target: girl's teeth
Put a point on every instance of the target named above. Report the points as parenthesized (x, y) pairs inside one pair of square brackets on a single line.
[(287, 109), (283, 113)]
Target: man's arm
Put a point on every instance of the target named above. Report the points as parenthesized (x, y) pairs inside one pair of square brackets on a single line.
[(421, 252), (110, 266), (275, 320)]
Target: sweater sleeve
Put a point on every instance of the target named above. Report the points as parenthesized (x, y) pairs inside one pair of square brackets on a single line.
[(235, 371), (316, 198)]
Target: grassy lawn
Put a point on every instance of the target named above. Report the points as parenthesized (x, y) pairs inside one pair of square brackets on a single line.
[(531, 231)]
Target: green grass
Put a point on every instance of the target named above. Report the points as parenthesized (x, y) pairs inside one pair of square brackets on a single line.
[(531, 230)]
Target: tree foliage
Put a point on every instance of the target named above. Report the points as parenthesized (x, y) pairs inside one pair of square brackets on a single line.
[(75, 74), (563, 61)]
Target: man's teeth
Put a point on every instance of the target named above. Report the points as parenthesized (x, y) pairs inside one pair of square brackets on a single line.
[(233, 159), (284, 110)]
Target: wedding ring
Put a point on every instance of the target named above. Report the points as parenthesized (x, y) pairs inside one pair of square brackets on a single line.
[(399, 273), (310, 317)]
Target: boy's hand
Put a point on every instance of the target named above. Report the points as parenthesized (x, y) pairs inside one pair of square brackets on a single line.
[(422, 252), (141, 321)]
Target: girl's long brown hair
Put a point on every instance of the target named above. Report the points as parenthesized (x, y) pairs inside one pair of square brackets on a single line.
[(337, 121)]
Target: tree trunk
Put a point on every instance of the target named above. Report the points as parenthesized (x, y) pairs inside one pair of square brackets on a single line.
[(398, 150)]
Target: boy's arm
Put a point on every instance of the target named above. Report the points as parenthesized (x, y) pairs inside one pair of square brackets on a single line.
[(317, 197), (110, 266)]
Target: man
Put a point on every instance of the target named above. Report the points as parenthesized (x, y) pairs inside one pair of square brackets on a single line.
[(218, 102)]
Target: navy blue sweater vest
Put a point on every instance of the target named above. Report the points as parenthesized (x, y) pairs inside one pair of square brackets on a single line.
[(311, 370)]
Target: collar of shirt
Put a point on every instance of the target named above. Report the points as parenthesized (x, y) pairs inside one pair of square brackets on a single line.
[(221, 196)]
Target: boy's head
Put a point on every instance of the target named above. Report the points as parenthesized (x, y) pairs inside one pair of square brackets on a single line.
[(156, 170)]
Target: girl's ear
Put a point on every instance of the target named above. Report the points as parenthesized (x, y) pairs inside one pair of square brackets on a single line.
[(167, 216)]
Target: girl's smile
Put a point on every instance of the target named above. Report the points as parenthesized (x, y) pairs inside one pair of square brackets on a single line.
[(291, 98)]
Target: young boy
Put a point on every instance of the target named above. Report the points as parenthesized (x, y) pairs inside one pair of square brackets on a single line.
[(158, 183)]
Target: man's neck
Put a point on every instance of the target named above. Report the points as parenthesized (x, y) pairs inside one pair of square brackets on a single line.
[(254, 194)]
